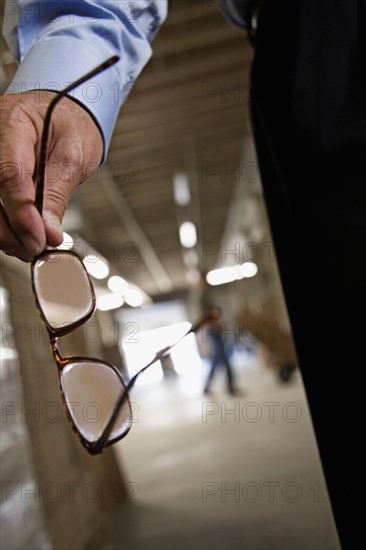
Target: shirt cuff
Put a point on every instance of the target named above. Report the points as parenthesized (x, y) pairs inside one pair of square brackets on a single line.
[(55, 63)]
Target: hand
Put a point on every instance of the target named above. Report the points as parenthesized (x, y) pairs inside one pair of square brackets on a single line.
[(75, 148)]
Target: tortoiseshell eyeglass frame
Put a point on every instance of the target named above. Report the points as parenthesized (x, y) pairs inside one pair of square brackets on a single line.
[(97, 446)]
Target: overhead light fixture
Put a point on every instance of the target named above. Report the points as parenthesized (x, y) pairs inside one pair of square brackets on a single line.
[(134, 297), (182, 194), (221, 276), (233, 273), (118, 285), (107, 302), (8, 353), (3, 299), (188, 234), (96, 266), (248, 269), (67, 243)]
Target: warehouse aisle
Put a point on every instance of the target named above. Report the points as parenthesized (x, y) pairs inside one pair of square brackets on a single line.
[(223, 472)]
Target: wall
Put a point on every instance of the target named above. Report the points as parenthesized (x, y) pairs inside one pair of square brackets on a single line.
[(54, 495)]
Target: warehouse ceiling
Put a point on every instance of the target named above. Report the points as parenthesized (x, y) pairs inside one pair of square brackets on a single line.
[(188, 115)]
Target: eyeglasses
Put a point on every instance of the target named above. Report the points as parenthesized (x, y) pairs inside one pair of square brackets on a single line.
[(65, 300)]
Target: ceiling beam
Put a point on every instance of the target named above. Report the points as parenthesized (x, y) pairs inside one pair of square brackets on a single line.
[(137, 234)]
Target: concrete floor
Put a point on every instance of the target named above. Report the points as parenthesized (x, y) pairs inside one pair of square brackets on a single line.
[(202, 477)]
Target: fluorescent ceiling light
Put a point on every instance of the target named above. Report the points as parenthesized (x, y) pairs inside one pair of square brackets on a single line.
[(134, 297), (67, 243), (248, 269), (8, 353), (221, 276), (3, 300), (97, 267), (188, 234), (118, 285), (109, 301), (233, 273), (182, 194)]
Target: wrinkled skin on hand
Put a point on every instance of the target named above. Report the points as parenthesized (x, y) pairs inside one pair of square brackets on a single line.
[(74, 151)]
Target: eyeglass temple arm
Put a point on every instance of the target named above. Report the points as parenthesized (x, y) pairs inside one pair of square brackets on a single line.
[(102, 441), (41, 169)]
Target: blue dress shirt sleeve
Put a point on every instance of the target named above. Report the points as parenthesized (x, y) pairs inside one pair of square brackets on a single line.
[(58, 41)]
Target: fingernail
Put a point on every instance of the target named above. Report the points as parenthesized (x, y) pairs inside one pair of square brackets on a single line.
[(31, 245)]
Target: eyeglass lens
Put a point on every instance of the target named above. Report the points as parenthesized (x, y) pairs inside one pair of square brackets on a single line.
[(62, 288), (92, 390)]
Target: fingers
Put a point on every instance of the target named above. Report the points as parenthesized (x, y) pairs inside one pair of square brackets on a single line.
[(18, 141), (9, 242), (74, 150), (17, 196)]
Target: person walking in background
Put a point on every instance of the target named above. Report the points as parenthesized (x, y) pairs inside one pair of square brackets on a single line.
[(219, 358), (213, 333)]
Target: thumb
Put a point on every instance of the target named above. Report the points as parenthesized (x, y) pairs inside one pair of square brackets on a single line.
[(59, 186), (52, 223), (76, 143)]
